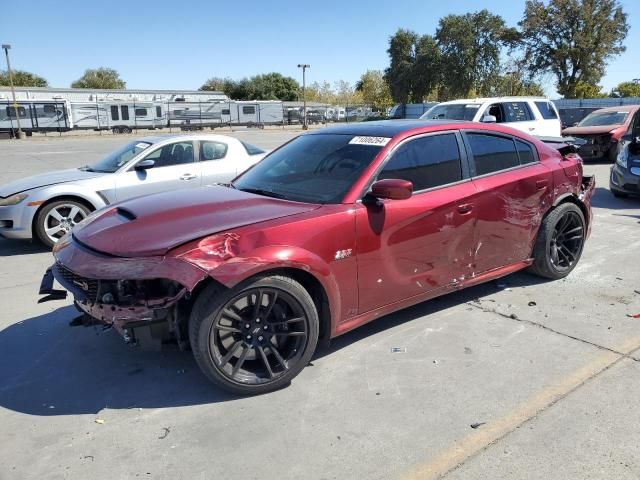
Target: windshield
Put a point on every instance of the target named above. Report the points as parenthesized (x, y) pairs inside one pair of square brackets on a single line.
[(117, 158), (455, 111), (318, 168), (597, 119)]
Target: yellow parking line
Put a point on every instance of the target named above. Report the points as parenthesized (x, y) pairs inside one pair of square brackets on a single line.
[(493, 431)]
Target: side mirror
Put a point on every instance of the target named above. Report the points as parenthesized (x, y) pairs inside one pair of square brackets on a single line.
[(489, 119), (392, 189), (144, 165)]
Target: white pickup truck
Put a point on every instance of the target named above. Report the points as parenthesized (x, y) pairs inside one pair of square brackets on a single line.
[(533, 115)]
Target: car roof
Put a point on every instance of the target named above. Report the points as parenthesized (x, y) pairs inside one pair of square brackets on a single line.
[(176, 136), (491, 99), (383, 128), (620, 108)]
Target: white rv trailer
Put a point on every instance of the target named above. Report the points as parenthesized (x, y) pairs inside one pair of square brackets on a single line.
[(35, 116), (118, 116), (198, 115)]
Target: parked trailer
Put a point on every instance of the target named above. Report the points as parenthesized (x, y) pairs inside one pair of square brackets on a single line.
[(35, 116), (199, 115), (119, 116)]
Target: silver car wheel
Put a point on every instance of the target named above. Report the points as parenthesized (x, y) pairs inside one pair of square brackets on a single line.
[(62, 219)]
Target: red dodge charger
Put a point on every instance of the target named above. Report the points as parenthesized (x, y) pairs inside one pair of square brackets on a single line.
[(332, 230)]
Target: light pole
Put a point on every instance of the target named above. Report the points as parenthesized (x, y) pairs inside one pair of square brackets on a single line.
[(6, 48), (304, 67)]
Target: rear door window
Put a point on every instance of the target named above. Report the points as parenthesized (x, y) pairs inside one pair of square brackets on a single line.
[(525, 152), (427, 162), (517, 112), (546, 110), (212, 150), (492, 153)]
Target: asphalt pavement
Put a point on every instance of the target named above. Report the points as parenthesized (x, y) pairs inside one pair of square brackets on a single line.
[(520, 378)]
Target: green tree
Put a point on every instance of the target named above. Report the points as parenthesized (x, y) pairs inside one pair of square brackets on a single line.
[(217, 84), (100, 78), (22, 79), (470, 46), (375, 91), (346, 94), (273, 86), (427, 68), (320, 92), (588, 90), (627, 89), (572, 39)]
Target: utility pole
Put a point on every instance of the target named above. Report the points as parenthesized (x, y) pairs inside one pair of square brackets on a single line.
[(6, 48), (304, 67)]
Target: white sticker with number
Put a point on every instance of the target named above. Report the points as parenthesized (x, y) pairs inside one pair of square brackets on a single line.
[(373, 141), (142, 145)]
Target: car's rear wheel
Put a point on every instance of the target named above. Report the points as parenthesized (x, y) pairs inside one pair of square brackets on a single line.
[(256, 337), (57, 218), (560, 242)]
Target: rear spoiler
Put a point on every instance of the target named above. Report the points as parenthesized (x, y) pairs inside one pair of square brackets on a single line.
[(564, 145)]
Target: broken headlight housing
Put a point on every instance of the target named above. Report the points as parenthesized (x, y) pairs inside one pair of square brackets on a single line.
[(623, 155)]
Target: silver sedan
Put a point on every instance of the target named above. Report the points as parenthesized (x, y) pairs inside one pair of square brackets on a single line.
[(49, 205)]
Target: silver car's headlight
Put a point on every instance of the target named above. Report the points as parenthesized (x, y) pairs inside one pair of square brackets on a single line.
[(12, 199), (623, 155)]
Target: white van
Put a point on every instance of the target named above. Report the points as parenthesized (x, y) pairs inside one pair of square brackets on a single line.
[(532, 115)]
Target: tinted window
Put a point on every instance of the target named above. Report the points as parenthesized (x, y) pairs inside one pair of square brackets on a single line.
[(491, 153), (546, 110), (49, 110), (125, 112), (226, 111), (158, 112), (597, 119), (517, 112), (212, 150), (11, 112), (525, 152), (248, 110), (251, 149), (172, 154), (455, 111), (427, 162), (319, 168), (114, 113), (141, 112), (118, 158)]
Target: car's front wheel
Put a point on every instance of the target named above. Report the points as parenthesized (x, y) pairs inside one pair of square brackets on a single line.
[(57, 218), (256, 337), (560, 242)]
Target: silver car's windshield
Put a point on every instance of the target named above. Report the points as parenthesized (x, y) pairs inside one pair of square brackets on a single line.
[(117, 158), (455, 111)]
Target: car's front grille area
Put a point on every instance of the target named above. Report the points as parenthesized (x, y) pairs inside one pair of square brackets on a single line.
[(77, 283)]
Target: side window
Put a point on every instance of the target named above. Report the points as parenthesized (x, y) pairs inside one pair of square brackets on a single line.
[(496, 111), (546, 110), (248, 109), (427, 162), (212, 150), (11, 112), (124, 109), (158, 112), (49, 110), (525, 152), (517, 112), (226, 111), (141, 112), (114, 113), (172, 154), (492, 153)]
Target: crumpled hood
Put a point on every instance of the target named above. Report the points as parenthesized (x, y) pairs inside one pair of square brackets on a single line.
[(600, 130), (152, 225), (44, 179)]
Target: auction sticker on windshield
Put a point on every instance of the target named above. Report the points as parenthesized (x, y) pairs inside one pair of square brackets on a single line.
[(142, 145), (373, 141)]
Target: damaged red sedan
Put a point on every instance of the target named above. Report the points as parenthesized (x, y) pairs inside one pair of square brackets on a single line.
[(332, 230)]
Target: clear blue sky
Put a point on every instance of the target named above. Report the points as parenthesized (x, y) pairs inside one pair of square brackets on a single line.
[(178, 45)]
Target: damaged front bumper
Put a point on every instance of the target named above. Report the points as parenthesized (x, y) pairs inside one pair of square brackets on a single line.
[(125, 293)]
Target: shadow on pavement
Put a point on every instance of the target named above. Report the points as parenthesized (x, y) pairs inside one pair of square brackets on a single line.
[(50, 369), (9, 248), (603, 198)]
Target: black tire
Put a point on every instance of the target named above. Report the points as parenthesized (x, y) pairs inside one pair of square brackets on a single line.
[(556, 255), (43, 221), (116, 130), (242, 365)]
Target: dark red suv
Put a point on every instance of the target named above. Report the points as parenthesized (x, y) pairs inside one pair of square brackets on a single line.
[(332, 230)]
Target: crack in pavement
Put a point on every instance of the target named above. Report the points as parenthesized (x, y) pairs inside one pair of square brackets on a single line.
[(477, 304)]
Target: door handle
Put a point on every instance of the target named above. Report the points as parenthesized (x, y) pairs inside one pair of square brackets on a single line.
[(188, 176), (531, 129), (542, 184), (465, 208)]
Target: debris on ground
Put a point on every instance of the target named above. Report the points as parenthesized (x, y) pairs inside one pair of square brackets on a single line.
[(476, 425), (532, 304), (468, 351), (637, 291), (513, 316), (99, 421), (165, 434), (435, 362), (398, 349)]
